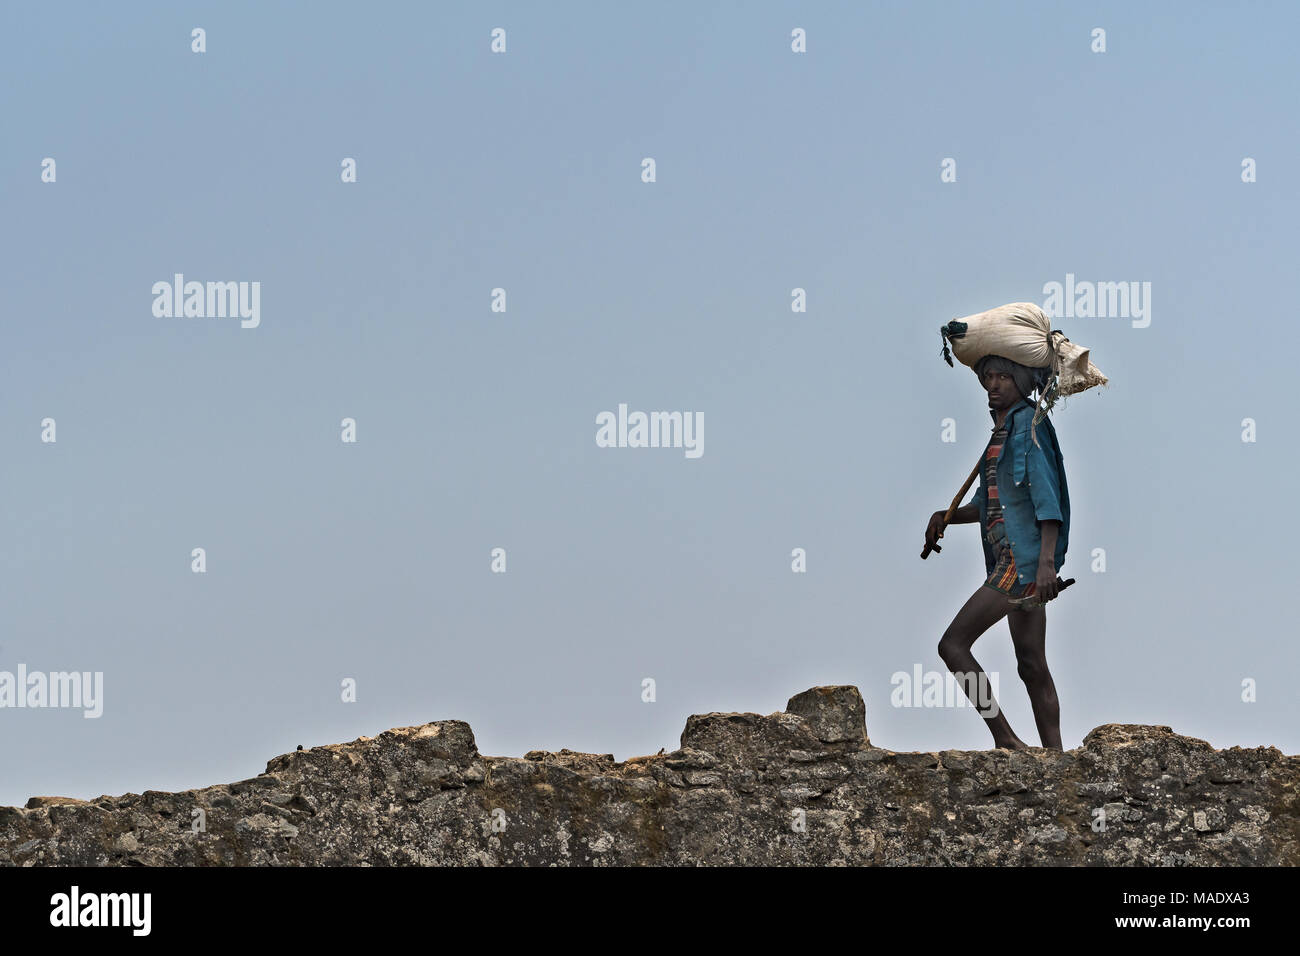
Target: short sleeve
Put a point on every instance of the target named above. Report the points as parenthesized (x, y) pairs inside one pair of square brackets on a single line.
[(1044, 482)]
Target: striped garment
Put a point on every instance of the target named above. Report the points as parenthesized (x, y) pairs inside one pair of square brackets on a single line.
[(993, 507), (1003, 577)]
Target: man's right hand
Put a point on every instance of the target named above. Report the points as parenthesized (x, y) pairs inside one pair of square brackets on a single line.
[(934, 530)]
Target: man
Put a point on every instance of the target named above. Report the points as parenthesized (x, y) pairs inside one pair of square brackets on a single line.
[(1023, 510)]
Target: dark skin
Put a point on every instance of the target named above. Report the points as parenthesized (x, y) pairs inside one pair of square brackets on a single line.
[(986, 607)]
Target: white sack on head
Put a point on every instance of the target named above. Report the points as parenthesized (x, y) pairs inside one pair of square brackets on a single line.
[(1022, 332)]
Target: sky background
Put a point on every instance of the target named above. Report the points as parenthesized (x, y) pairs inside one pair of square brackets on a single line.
[(476, 429)]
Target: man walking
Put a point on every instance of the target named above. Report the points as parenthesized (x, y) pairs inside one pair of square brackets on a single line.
[(1023, 510)]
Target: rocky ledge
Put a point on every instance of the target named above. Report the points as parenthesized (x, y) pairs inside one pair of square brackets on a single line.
[(800, 787)]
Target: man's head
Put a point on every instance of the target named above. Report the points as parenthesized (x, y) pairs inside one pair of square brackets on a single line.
[(1008, 382)]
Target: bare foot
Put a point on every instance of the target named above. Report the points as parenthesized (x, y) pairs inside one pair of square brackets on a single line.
[(1014, 744)]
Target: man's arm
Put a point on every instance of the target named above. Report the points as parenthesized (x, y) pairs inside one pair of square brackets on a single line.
[(1045, 577), (1047, 552), (1044, 493), (969, 513), (934, 530)]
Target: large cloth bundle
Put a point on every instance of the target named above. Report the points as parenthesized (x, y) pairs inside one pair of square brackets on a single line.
[(1023, 333)]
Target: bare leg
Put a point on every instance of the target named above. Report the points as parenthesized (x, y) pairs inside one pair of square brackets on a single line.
[(1029, 635), (984, 609)]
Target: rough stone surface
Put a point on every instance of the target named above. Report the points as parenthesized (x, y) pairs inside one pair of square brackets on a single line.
[(833, 713), (799, 787)]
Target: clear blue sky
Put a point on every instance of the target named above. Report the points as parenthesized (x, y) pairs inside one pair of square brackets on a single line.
[(476, 429)]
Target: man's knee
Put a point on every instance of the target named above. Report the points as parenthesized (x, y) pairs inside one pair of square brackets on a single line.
[(1032, 668), (950, 645)]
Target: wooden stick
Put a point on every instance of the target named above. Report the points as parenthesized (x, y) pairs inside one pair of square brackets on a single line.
[(956, 503)]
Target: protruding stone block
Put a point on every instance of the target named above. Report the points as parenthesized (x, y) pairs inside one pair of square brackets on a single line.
[(836, 714)]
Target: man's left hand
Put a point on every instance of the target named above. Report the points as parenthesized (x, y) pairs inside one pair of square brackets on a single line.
[(1045, 585)]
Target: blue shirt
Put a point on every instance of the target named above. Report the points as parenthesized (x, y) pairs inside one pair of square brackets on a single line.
[(1031, 488)]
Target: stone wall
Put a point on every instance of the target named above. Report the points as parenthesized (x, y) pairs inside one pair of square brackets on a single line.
[(804, 786)]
